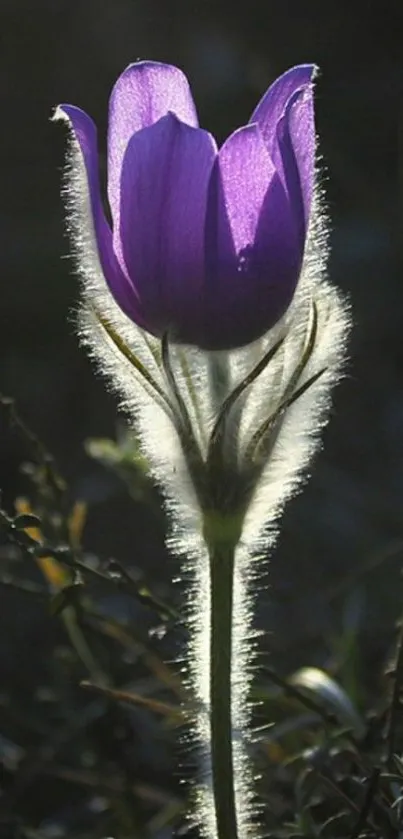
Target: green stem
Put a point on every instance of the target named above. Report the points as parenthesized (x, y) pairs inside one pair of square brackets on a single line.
[(221, 587)]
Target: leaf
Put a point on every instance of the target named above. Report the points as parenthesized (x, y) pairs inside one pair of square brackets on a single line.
[(155, 705), (76, 523), (218, 430), (134, 361), (331, 695)]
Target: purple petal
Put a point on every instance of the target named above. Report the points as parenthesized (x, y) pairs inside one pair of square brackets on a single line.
[(144, 93), (272, 105), (252, 250), (294, 155), (246, 171), (285, 116), (85, 134), (165, 176)]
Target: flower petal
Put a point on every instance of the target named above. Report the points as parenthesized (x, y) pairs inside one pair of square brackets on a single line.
[(286, 118), (253, 256), (165, 176), (272, 105), (94, 236), (144, 93), (246, 171), (295, 154)]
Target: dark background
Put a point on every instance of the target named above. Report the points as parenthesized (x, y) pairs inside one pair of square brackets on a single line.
[(351, 514)]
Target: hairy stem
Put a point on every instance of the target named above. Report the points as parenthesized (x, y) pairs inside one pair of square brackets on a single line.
[(221, 582)]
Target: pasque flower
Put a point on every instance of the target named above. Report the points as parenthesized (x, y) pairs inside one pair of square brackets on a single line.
[(205, 244), (211, 250)]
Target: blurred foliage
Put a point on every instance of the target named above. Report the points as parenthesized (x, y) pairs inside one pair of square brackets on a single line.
[(90, 734)]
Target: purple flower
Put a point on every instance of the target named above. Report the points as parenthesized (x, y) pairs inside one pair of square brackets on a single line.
[(205, 243)]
